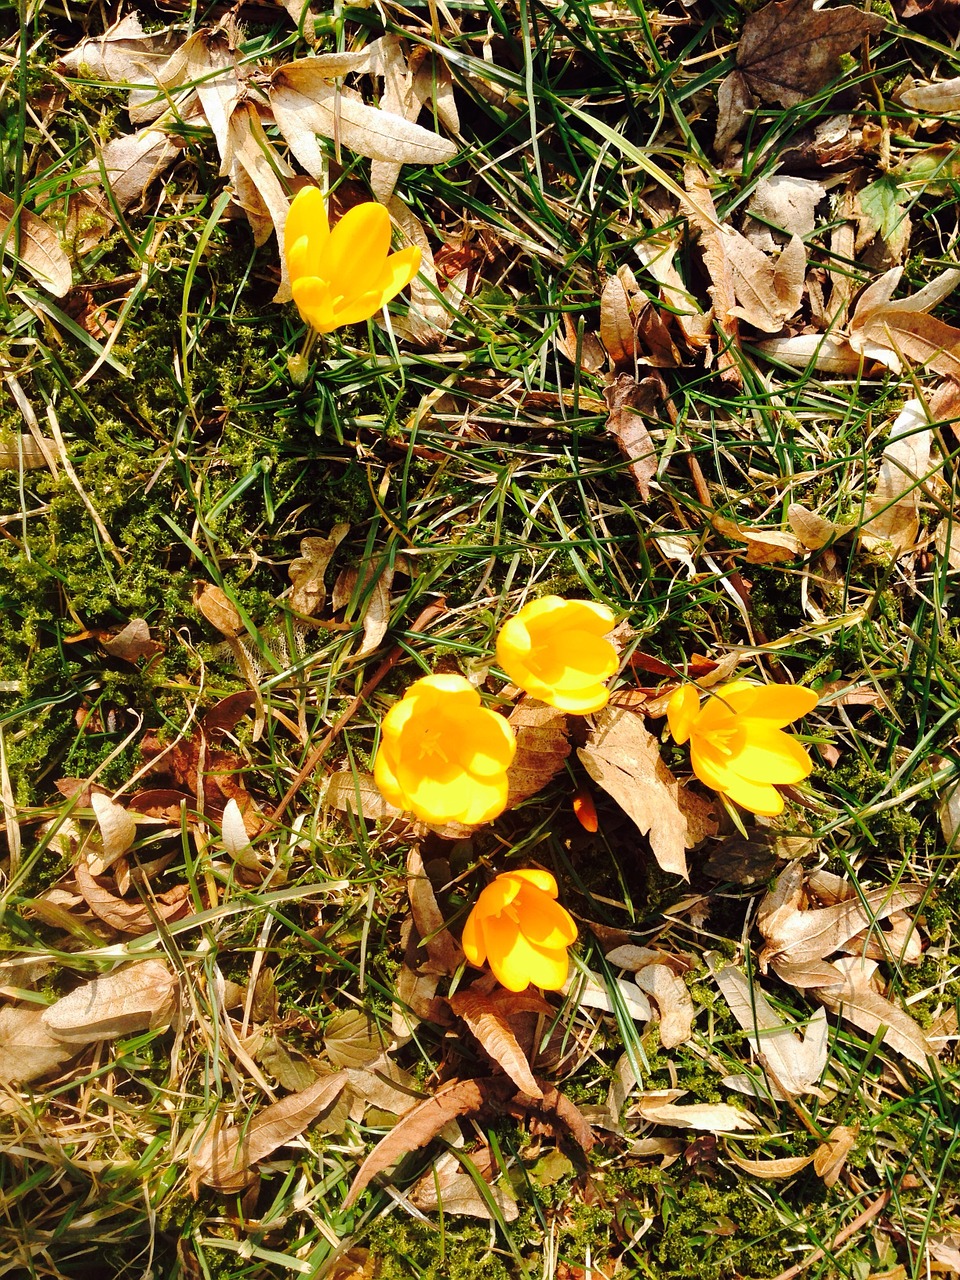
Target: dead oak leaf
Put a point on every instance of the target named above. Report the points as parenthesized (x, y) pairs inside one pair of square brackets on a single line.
[(789, 50), (627, 401)]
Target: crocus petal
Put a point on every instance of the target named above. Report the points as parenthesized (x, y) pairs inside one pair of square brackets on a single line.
[(516, 961), (757, 797), (770, 755), (777, 704), (514, 642), (314, 302), (682, 711), (487, 744), (398, 271), (536, 876), (544, 921), (575, 660), (386, 780), (355, 310), (354, 255), (580, 703), (306, 219), (710, 765), (449, 686), (474, 947)]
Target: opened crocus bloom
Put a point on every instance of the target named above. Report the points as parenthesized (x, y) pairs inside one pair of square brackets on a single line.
[(555, 650), (737, 743), (345, 275), (521, 931), (442, 755)]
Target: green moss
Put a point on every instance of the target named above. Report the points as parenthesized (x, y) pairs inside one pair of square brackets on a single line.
[(409, 1250)]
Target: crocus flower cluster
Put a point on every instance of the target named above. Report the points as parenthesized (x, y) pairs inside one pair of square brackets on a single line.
[(519, 928)]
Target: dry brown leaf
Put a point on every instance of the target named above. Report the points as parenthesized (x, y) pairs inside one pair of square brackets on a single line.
[(28, 1049), (813, 531), (764, 546), (831, 1156), (127, 165), (225, 1159), (137, 997), (657, 254), (20, 450), (36, 244), (236, 838), (594, 992), (218, 609), (542, 748), (767, 291), (618, 319), (787, 1167), (351, 1039), (946, 539), (892, 330), (623, 758), (129, 917), (787, 202), (934, 99), (735, 102), (592, 355), (385, 1087), (415, 994), (672, 999), (118, 830), (131, 643), (893, 509), (124, 54), (305, 103), (249, 148), (795, 1065), (821, 351), (485, 1016), (450, 1187), (628, 401), (659, 1107), (789, 50), (374, 594), (720, 289), (446, 954), (308, 593), (858, 1002), (430, 313)]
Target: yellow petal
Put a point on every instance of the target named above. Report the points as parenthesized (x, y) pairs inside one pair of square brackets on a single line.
[(516, 961), (711, 766), (386, 780), (456, 798), (448, 686), (483, 743), (682, 711), (778, 704), (306, 218), (573, 660), (757, 797), (580, 703), (355, 310), (396, 721), (770, 755), (315, 303), (399, 270), (514, 643), (472, 941), (354, 255), (544, 922), (539, 878)]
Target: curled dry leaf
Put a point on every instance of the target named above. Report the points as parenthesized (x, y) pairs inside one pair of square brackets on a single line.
[(629, 401), (129, 917), (767, 291), (37, 246), (22, 451), (795, 1065), (618, 318), (236, 839), (892, 331), (28, 1048), (351, 1039), (660, 1107), (720, 288), (623, 758), (118, 830), (542, 748), (218, 609), (446, 954), (374, 597), (486, 1016), (856, 1000), (308, 593), (593, 993), (813, 531), (384, 1086), (934, 99), (788, 203), (131, 643), (224, 1159), (453, 1189), (787, 1167), (764, 546), (831, 1156), (137, 997), (893, 509), (672, 999)]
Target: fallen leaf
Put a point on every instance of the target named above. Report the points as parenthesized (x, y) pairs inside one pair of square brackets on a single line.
[(659, 1107), (657, 254), (672, 999), (36, 244), (224, 1159), (486, 1017), (385, 1087), (118, 831), (934, 99), (591, 992), (137, 997), (131, 643), (218, 609), (857, 1002), (893, 508), (786, 1167), (126, 165), (831, 1156), (358, 793), (448, 1186), (249, 148), (415, 993), (542, 748), (22, 451), (444, 951), (890, 330), (351, 1039), (374, 598), (124, 54), (629, 401), (789, 50), (946, 539), (291, 1069), (767, 291), (623, 758), (28, 1049), (430, 312), (795, 1065), (789, 203), (236, 839), (720, 289), (618, 318), (822, 351), (813, 531), (764, 546), (592, 355), (129, 917), (308, 592)]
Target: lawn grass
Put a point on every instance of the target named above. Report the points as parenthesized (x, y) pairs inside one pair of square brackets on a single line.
[(483, 473)]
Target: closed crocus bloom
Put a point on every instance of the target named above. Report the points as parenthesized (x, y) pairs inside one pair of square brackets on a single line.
[(442, 755), (555, 650), (345, 275), (737, 743), (521, 931)]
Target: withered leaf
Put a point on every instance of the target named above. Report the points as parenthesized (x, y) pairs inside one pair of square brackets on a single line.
[(351, 1039), (618, 319), (252, 151), (374, 595), (118, 829), (441, 946), (831, 1156), (218, 609), (789, 50), (290, 1068), (660, 1107), (137, 997), (786, 1167), (38, 248), (124, 54), (236, 838), (414, 1001), (764, 546), (28, 1049), (309, 592), (131, 643), (628, 400), (702, 213), (20, 450), (129, 917), (894, 506), (623, 758), (225, 1159), (672, 999), (857, 1001), (486, 1018), (542, 748), (448, 1186)]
